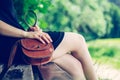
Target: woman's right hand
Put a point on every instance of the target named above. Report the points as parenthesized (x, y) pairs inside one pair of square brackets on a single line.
[(35, 28)]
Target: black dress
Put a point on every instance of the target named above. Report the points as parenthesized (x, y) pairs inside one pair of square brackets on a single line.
[(8, 15)]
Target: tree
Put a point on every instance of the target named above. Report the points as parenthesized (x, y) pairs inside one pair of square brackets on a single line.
[(23, 6), (92, 18), (82, 16), (115, 14), (117, 2)]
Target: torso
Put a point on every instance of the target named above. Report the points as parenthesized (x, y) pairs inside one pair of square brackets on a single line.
[(8, 15)]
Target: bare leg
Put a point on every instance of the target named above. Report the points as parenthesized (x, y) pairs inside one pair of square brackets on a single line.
[(75, 43), (71, 65)]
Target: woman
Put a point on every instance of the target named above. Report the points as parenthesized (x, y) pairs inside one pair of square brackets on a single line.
[(78, 64)]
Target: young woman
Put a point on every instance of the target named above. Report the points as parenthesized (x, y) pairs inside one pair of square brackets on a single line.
[(78, 64)]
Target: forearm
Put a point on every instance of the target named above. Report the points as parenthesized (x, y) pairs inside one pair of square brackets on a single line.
[(8, 30)]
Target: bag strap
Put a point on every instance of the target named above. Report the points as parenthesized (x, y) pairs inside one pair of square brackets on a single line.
[(10, 61), (12, 53)]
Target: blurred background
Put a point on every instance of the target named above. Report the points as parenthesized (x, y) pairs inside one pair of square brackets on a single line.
[(97, 20)]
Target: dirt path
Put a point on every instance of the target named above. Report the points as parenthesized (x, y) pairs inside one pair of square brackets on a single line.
[(106, 72)]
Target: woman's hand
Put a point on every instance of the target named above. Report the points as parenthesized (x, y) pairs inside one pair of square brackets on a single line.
[(37, 33), (35, 28)]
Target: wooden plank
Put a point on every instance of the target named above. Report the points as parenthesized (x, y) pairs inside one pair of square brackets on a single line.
[(51, 71), (37, 74), (20, 72)]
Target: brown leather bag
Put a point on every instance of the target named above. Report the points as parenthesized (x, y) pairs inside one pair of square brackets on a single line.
[(35, 52)]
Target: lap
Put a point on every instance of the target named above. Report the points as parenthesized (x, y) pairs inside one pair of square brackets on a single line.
[(57, 37), (68, 44)]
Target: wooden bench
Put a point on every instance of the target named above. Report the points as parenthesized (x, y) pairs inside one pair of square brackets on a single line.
[(49, 71)]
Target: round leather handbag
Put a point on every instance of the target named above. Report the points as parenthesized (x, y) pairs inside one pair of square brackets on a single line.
[(35, 52)]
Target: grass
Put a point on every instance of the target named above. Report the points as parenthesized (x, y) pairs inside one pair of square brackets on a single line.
[(106, 51)]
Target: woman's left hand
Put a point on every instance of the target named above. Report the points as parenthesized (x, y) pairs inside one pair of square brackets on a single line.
[(44, 37)]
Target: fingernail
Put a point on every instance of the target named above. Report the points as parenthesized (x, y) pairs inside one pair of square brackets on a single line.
[(43, 42), (51, 40)]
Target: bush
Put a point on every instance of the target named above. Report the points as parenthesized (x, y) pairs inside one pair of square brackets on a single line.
[(101, 51), (105, 51)]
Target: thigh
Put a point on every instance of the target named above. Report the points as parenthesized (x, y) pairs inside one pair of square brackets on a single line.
[(68, 44), (69, 63)]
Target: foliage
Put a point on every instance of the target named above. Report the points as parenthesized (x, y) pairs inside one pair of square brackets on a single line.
[(77, 16), (115, 14), (116, 2), (92, 18), (106, 51), (23, 6)]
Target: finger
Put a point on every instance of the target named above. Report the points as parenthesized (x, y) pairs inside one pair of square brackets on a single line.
[(37, 27), (45, 39), (41, 30), (40, 39), (31, 29), (34, 28), (48, 37)]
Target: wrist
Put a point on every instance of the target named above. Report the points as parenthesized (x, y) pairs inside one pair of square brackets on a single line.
[(25, 34)]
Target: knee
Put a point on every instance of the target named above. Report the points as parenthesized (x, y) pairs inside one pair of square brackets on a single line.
[(74, 36), (81, 37), (77, 36), (78, 39), (79, 43), (73, 41)]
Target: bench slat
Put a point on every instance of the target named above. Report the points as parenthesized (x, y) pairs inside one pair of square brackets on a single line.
[(20, 72), (51, 71)]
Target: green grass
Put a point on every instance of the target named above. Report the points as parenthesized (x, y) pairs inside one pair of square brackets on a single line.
[(106, 51)]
